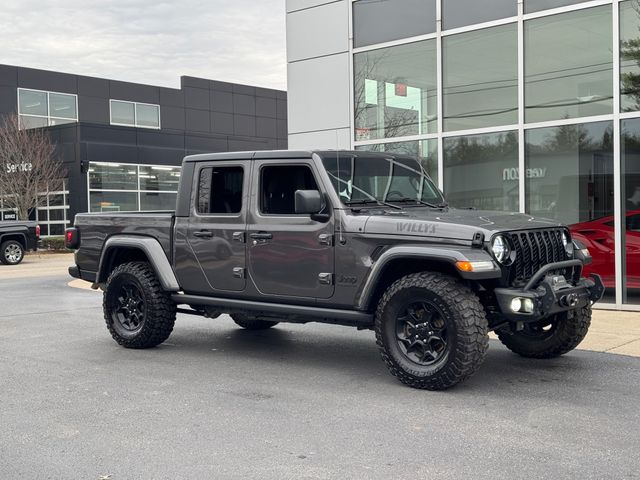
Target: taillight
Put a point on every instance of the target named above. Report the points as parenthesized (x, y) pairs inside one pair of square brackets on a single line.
[(71, 238), (38, 231)]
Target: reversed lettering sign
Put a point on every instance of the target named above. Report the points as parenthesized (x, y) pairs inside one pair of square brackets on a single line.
[(514, 173)]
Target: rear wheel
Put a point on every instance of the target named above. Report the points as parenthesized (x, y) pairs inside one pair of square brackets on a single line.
[(431, 330), (252, 323), (12, 252), (138, 312), (549, 337)]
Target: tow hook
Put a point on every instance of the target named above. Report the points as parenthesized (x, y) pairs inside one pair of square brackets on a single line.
[(570, 300)]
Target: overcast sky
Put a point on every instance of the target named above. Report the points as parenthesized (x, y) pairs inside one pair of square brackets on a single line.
[(147, 41)]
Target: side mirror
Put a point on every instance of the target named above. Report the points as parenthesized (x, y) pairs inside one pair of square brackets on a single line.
[(308, 201)]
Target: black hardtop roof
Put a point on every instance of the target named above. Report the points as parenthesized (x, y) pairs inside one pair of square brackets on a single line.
[(286, 154)]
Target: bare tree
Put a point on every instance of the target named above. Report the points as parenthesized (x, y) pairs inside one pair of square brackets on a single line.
[(29, 167)]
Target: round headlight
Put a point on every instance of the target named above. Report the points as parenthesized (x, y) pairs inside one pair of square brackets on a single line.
[(568, 245), (500, 249)]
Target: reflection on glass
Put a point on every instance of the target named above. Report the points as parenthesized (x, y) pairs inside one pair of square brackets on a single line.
[(113, 201), (630, 157), (159, 178), (570, 179), (480, 83), (458, 13), (113, 176), (568, 65), (481, 171), (27, 122), (62, 106), (56, 229), (122, 112), (147, 115), (425, 150), (629, 56), (376, 22), (60, 121), (32, 102), (395, 91), (537, 5), (157, 201)]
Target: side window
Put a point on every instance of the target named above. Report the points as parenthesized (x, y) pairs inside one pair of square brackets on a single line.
[(220, 190), (278, 185)]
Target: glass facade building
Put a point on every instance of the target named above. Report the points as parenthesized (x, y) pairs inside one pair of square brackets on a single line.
[(513, 105), (530, 106)]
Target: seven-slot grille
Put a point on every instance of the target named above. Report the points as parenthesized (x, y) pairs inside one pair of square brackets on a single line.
[(534, 249)]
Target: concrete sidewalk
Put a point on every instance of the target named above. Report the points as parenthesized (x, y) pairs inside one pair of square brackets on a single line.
[(611, 331)]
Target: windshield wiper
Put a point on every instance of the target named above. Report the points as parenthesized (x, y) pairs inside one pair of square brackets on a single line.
[(420, 202), (371, 201)]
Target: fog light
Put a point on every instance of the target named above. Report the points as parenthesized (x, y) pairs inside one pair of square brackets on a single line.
[(527, 305), (516, 304)]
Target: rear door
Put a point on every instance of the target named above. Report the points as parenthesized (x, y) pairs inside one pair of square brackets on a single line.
[(290, 255), (217, 226)]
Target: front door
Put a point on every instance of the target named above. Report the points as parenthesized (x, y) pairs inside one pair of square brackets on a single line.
[(217, 227), (289, 254)]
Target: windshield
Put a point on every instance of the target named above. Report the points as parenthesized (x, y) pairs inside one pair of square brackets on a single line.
[(385, 180)]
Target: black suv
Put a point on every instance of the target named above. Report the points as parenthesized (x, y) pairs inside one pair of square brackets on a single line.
[(353, 238)]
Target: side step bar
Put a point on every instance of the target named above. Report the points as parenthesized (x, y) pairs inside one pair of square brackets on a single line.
[(294, 313)]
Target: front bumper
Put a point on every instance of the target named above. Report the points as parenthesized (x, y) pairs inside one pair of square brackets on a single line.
[(551, 293)]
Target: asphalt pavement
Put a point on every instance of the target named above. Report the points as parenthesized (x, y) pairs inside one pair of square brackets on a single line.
[(297, 401)]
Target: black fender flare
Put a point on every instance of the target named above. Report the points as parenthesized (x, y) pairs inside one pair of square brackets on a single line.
[(151, 248), (446, 254)]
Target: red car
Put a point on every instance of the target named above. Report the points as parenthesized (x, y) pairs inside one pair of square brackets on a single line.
[(598, 236)]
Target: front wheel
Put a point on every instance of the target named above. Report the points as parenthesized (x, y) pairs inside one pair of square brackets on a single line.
[(549, 337), (138, 312), (431, 330), (12, 252)]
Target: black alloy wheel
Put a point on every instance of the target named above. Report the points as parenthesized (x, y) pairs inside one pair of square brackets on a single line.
[(421, 332), (129, 309), (137, 311)]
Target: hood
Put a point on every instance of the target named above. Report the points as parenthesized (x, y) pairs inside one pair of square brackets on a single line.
[(450, 223)]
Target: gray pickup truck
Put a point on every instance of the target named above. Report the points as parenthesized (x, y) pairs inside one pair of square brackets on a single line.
[(352, 238), (16, 238)]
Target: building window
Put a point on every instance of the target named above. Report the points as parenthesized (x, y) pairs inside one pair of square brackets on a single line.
[(569, 178), (119, 187), (481, 171), (395, 91), (425, 150), (630, 186), (480, 78), (38, 108), (376, 22), (629, 56), (568, 65), (134, 114), (537, 5), (459, 13)]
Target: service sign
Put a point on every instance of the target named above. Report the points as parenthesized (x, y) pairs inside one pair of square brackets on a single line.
[(9, 216)]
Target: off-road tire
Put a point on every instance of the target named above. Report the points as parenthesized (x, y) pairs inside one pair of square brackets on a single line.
[(568, 332), (159, 310), (8, 252), (466, 324), (252, 323)]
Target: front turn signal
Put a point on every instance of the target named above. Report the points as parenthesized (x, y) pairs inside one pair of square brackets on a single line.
[(466, 266)]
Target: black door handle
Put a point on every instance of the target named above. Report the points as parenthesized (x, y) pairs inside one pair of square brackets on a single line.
[(261, 236), (203, 234)]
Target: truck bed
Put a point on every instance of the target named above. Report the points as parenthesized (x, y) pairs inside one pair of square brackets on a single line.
[(96, 228)]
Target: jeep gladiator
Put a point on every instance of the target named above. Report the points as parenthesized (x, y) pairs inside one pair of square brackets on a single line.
[(346, 237)]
